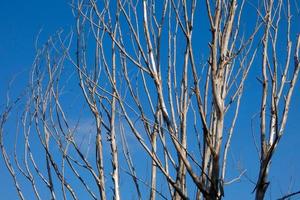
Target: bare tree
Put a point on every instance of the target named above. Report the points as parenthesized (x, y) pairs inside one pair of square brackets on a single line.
[(142, 78), (277, 84)]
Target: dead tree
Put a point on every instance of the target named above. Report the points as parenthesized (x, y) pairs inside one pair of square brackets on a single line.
[(278, 83), (144, 75)]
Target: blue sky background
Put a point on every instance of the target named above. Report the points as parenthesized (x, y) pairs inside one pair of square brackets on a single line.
[(21, 22)]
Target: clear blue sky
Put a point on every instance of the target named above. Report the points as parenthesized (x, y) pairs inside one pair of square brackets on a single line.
[(22, 20), (20, 23)]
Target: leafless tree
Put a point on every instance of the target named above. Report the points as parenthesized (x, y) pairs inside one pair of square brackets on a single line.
[(278, 83), (145, 76)]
